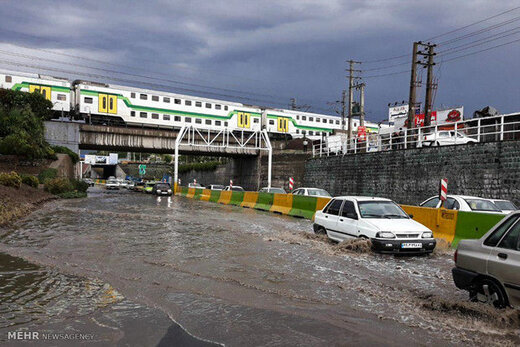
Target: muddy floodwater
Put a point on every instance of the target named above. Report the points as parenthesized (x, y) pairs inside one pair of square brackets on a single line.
[(133, 269)]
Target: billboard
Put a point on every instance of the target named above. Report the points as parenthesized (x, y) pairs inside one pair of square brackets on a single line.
[(440, 117), (110, 159), (397, 112)]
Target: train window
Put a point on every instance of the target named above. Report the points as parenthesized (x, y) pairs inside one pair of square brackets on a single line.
[(217, 107), (198, 120), (297, 117), (187, 102), (226, 123), (218, 123), (271, 122), (331, 121), (311, 133), (165, 99), (324, 120), (8, 79), (256, 120), (155, 98), (88, 100), (155, 116), (304, 117), (166, 117), (225, 108), (311, 119), (62, 97), (208, 121), (303, 132), (187, 120), (198, 104), (297, 131), (177, 118), (132, 113), (337, 122), (143, 115), (177, 101), (143, 97), (318, 120), (132, 95), (208, 105)]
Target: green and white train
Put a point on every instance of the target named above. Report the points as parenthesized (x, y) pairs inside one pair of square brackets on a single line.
[(121, 105)]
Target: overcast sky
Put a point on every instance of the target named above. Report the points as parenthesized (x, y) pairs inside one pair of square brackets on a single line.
[(268, 51)]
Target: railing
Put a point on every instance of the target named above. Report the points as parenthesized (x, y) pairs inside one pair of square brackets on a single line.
[(490, 129)]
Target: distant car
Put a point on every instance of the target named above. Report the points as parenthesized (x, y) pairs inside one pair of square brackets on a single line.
[(130, 185), (162, 189), (505, 206), (273, 190), (445, 138), (89, 181), (463, 203), (194, 185), (215, 187), (148, 187), (123, 183), (381, 220), (235, 188), (489, 267), (112, 185), (138, 187), (312, 192)]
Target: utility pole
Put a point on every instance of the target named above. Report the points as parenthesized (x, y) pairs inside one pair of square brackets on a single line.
[(413, 85), (343, 107), (362, 104), (428, 99), (351, 78)]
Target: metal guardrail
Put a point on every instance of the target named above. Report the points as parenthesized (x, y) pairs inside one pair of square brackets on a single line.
[(489, 129)]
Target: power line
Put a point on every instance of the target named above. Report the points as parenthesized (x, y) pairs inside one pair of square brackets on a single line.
[(482, 50), (479, 42)]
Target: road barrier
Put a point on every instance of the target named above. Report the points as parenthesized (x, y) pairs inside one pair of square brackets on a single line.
[(450, 225)]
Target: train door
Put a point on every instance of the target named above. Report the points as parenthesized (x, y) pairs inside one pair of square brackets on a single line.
[(45, 91), (244, 120), (112, 104), (103, 103), (283, 125)]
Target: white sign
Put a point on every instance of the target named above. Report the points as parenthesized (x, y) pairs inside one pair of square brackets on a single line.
[(397, 112)]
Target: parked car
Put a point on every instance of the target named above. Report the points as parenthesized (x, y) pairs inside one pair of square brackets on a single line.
[(162, 189), (148, 187), (130, 185), (235, 188), (489, 267), (194, 185), (216, 187), (463, 203), (273, 190), (123, 183), (138, 187), (445, 138), (89, 181), (381, 220), (505, 206), (112, 184), (312, 192)]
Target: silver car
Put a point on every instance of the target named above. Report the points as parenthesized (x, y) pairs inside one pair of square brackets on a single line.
[(489, 268)]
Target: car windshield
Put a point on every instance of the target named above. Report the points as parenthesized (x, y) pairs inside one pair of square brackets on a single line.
[(150, 184), (380, 209), (217, 186), (318, 192), (162, 186), (277, 190), (506, 205), (482, 205)]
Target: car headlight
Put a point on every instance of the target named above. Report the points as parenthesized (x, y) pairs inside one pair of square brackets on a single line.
[(385, 235), (158, 190), (169, 190), (427, 235)]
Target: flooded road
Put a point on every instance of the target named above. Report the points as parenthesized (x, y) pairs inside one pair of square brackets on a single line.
[(228, 275)]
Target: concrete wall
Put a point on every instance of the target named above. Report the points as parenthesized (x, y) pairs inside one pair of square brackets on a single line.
[(63, 134), (411, 176)]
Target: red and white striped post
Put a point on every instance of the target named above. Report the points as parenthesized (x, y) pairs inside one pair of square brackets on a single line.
[(443, 190), (230, 183), (194, 181), (291, 184)]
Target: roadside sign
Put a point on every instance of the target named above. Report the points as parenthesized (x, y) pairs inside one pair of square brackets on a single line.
[(443, 189), (142, 169), (362, 133), (291, 183)]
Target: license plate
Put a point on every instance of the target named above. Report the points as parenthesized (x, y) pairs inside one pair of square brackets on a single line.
[(411, 245), (164, 193)]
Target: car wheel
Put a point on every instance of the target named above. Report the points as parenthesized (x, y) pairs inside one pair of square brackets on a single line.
[(489, 292), (321, 231), (437, 144)]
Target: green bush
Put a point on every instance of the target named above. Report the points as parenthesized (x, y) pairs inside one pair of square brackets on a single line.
[(79, 186), (10, 179), (47, 174), (61, 149), (204, 166), (30, 180), (58, 185), (72, 195)]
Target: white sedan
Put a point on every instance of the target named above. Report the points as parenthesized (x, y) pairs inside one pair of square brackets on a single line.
[(312, 192), (381, 220), (445, 138), (463, 203)]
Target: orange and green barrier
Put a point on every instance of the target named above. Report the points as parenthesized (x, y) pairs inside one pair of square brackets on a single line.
[(450, 225)]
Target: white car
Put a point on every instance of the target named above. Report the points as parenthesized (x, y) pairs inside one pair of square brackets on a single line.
[(463, 203), (215, 187), (381, 220), (112, 184), (312, 192), (194, 185), (235, 188), (272, 190), (445, 138), (505, 206)]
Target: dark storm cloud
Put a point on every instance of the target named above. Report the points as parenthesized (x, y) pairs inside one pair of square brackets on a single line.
[(283, 49)]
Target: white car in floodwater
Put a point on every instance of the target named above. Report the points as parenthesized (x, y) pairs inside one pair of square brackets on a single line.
[(317, 192), (112, 184), (463, 203), (381, 220)]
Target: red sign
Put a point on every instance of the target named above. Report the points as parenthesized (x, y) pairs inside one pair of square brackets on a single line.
[(362, 133)]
